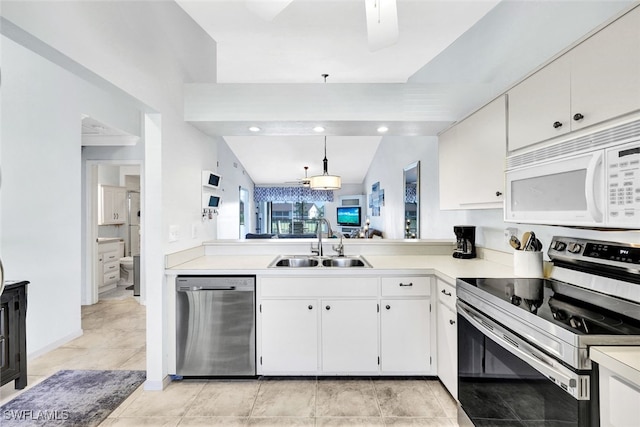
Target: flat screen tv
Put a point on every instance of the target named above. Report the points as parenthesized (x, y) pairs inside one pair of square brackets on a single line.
[(349, 216)]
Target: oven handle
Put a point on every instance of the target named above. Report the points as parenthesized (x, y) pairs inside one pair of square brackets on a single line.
[(572, 383)]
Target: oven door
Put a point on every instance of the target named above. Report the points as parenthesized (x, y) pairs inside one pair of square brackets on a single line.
[(503, 380), (569, 191)]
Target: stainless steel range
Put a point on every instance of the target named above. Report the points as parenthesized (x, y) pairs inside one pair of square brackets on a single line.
[(523, 344)]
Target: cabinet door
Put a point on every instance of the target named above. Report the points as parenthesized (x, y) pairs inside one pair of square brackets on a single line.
[(619, 400), (120, 205), (106, 204), (405, 336), (472, 160), (349, 336), (448, 348), (605, 72), (539, 107), (113, 205), (289, 336)]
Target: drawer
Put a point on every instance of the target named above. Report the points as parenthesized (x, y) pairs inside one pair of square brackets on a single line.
[(111, 256), (111, 277), (323, 287), (406, 286), (446, 293), (110, 267)]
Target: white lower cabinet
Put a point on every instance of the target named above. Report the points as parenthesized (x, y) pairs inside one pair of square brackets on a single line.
[(405, 335), (289, 336), (342, 326), (619, 400), (447, 337), (349, 336), (448, 349)]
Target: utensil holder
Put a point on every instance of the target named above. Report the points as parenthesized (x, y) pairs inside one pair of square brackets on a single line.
[(527, 264)]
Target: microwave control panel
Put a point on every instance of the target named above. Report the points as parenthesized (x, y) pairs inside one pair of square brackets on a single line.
[(623, 184)]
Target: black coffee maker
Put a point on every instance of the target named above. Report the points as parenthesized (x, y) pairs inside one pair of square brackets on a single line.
[(465, 241)]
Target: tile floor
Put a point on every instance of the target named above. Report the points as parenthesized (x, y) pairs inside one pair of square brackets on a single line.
[(114, 338)]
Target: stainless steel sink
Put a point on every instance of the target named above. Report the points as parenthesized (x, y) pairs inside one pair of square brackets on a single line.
[(295, 261), (345, 262), (301, 261)]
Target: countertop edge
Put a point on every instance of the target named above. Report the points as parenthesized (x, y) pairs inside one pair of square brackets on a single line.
[(609, 357)]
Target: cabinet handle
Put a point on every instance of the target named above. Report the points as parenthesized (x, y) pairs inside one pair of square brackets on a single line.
[(388, 307), (406, 284), (310, 307), (328, 307), (446, 293), (556, 125), (578, 117), (498, 193), (452, 322)]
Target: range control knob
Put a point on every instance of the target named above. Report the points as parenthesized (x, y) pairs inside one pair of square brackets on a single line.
[(559, 246), (575, 248)]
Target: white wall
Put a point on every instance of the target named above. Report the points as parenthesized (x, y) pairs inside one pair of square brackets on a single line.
[(146, 50), (234, 176), (393, 155), (41, 193)]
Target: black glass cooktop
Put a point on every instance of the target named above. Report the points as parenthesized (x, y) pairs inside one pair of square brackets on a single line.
[(581, 311)]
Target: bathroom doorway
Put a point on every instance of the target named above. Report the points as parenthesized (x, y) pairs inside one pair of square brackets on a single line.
[(113, 228)]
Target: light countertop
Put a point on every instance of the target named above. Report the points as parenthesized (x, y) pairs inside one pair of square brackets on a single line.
[(442, 265), (108, 239), (623, 361)]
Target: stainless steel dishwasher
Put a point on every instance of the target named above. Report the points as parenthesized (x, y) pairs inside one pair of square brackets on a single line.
[(215, 330)]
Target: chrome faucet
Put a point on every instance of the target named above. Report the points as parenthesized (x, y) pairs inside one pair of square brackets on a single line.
[(318, 250), (340, 247)]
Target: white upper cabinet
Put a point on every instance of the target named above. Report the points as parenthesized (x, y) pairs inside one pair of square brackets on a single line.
[(605, 73), (472, 158), (539, 107), (596, 81), (113, 205)]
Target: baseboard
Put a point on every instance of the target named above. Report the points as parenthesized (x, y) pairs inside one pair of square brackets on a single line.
[(151, 385), (55, 344)]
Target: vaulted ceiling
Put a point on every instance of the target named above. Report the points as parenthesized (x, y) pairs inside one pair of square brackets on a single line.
[(478, 48)]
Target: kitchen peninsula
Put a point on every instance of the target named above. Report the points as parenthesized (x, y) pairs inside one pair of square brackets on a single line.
[(388, 319)]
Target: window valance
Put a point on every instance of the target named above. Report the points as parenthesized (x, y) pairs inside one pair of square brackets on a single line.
[(291, 194)]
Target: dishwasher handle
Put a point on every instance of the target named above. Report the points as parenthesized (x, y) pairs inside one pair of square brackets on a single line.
[(205, 288)]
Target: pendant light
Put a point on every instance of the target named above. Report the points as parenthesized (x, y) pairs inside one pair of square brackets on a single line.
[(325, 181)]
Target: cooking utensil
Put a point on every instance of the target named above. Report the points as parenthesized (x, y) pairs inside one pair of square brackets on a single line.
[(525, 240), (515, 243), (537, 245)]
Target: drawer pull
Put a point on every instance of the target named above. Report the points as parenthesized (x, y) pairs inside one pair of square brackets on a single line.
[(452, 322), (310, 307), (446, 293), (406, 284)]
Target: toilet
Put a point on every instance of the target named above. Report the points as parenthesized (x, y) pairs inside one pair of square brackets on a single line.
[(126, 267)]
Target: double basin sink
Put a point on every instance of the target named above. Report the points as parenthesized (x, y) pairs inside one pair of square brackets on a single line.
[(301, 261)]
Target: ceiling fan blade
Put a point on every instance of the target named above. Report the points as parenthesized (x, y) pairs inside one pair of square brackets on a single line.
[(267, 9), (382, 23)]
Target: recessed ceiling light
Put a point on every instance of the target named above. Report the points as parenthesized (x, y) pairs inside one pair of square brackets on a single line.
[(318, 129), (254, 129), (383, 129)]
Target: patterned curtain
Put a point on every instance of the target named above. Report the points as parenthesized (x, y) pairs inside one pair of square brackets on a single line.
[(291, 194)]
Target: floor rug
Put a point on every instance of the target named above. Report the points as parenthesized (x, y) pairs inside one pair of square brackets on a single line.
[(71, 398)]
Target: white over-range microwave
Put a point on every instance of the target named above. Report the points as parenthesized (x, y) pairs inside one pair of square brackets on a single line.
[(591, 180)]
